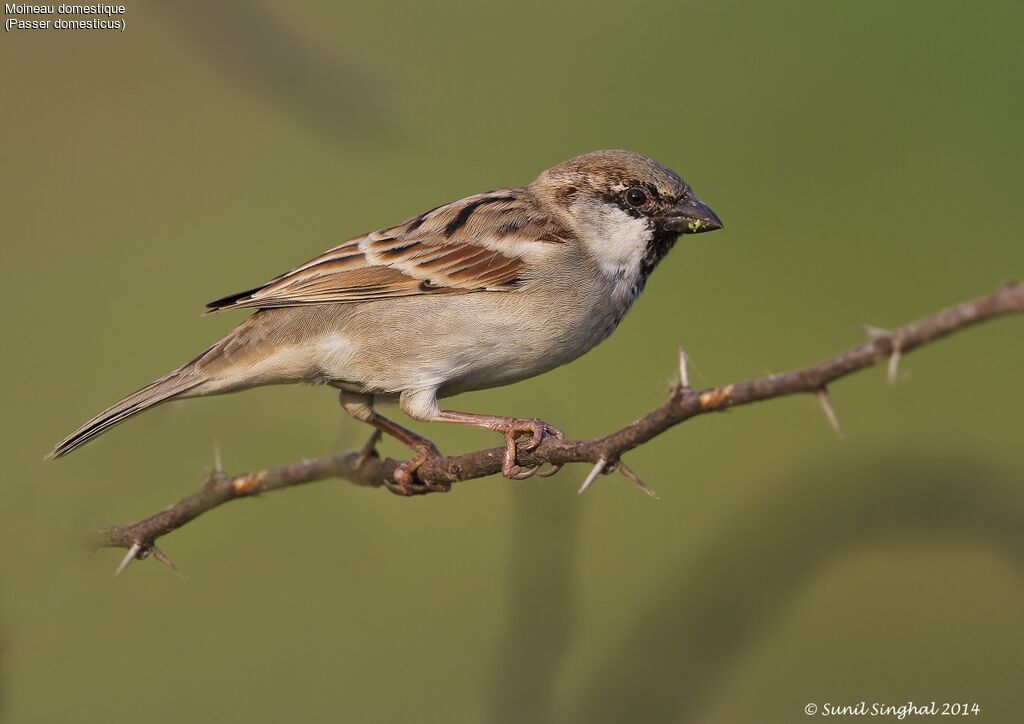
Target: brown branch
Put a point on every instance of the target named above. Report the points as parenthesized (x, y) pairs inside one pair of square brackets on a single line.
[(366, 468)]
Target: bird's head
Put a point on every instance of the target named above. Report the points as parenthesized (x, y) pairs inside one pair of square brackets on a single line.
[(627, 209)]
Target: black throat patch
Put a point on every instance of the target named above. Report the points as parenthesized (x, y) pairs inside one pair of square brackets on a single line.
[(661, 243)]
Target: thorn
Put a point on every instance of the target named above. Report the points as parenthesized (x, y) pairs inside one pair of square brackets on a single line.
[(830, 413), (218, 463), (372, 443), (592, 475), (128, 558), (684, 372), (369, 449), (894, 363), (894, 359), (875, 332), (635, 479), (163, 558)]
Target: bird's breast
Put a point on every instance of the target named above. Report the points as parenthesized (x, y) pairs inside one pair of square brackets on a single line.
[(457, 343)]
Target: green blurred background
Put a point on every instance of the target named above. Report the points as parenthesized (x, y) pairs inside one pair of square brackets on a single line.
[(866, 160)]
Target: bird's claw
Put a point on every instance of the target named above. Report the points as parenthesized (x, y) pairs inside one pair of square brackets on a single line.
[(553, 470), (537, 429), (514, 472), (405, 482)]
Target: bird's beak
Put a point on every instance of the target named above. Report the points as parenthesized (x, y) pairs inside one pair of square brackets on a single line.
[(692, 216)]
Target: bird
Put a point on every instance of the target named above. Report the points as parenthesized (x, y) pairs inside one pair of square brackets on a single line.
[(482, 292)]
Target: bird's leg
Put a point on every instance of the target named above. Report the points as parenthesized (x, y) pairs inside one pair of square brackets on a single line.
[(511, 428), (361, 408), (424, 449)]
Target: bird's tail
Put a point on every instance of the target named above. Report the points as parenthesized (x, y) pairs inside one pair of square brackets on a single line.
[(171, 385)]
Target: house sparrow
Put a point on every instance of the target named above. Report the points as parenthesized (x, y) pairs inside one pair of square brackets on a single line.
[(482, 292)]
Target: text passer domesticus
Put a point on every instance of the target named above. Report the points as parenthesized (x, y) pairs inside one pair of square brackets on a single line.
[(481, 292)]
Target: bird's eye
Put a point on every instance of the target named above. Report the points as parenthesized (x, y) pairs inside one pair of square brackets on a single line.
[(636, 197)]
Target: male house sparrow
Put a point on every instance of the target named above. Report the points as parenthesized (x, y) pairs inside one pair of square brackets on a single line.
[(478, 293)]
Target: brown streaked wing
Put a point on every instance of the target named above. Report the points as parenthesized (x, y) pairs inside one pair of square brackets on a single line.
[(480, 243)]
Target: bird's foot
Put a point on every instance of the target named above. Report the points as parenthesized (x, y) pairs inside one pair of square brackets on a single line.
[(405, 482), (536, 429)]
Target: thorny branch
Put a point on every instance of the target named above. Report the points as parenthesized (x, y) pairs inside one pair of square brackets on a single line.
[(368, 469)]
